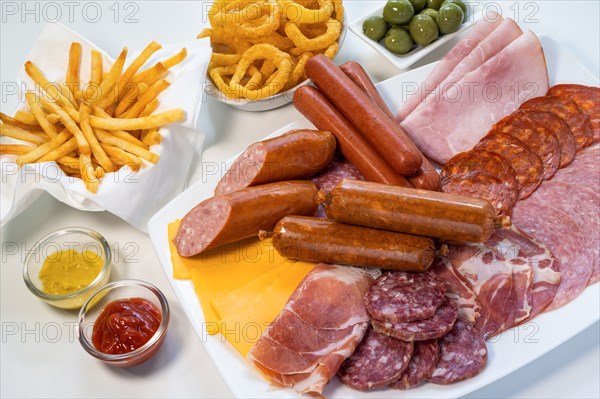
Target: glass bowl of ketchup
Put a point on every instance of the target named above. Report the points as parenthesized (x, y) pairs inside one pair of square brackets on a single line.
[(124, 323)]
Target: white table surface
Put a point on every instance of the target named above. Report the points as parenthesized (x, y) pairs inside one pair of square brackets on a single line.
[(39, 354)]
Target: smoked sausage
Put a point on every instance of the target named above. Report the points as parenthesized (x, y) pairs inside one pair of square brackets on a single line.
[(385, 135), (323, 240), (241, 214), (293, 155), (412, 211)]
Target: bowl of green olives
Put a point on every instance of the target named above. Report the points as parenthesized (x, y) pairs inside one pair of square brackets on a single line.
[(404, 31)]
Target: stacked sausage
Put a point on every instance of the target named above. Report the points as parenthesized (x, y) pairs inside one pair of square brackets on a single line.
[(414, 336), (526, 147)]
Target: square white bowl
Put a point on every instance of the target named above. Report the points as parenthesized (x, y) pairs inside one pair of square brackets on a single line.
[(404, 61)]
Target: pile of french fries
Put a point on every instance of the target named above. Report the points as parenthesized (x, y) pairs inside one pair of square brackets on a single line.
[(93, 129)]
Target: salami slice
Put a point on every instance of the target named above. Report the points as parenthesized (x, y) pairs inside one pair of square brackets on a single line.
[(583, 172), (527, 165), (480, 161), (398, 297), (377, 361), (565, 108), (587, 99), (422, 363), (485, 187), (463, 355), (421, 330), (528, 126)]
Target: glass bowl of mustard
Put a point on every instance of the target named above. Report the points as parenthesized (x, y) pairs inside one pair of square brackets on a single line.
[(66, 267), (124, 323)]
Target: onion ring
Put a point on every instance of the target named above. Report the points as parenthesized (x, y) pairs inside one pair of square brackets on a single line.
[(334, 29)]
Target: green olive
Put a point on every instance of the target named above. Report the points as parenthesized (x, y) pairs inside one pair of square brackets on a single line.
[(398, 41), (459, 3), (375, 28), (449, 18), (418, 5), (435, 4), (398, 11), (431, 12), (423, 29)]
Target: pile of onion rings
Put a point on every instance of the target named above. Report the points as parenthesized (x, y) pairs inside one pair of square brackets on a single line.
[(260, 47)]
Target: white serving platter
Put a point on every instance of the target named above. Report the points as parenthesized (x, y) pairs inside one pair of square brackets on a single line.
[(507, 353), (475, 13)]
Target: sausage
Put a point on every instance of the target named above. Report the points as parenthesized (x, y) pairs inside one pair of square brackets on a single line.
[(294, 155), (411, 211), (385, 135), (317, 109), (427, 177), (323, 240), (241, 214)]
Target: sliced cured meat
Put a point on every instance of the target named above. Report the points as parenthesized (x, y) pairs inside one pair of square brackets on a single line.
[(422, 363), (495, 89), (565, 108), (587, 99), (447, 64), (336, 171), (377, 361), (529, 127), (584, 171), (463, 355), (484, 162), (527, 165), (483, 186), (398, 297), (457, 290), (490, 277), (320, 326), (565, 239), (421, 330)]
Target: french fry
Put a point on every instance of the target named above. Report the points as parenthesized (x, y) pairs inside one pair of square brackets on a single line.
[(176, 59), (122, 134), (152, 137), (106, 138), (141, 59), (86, 129), (147, 122), (72, 76), (99, 172), (87, 173), (36, 109), (132, 92), (15, 149), (151, 75), (53, 118), (34, 128), (21, 134), (43, 149), (25, 118), (69, 165), (64, 98), (123, 157), (147, 97), (96, 74), (150, 108), (104, 95), (69, 124), (63, 150)]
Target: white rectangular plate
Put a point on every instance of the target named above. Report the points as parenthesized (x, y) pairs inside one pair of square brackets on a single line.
[(508, 352), (406, 60)]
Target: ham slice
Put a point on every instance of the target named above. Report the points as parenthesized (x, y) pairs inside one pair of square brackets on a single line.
[(455, 122), (443, 68), (320, 326)]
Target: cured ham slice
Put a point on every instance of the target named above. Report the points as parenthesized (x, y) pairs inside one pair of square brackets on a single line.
[(479, 32), (455, 122), (320, 326), (490, 277)]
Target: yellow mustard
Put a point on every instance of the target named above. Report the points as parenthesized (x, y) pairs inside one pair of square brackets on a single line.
[(68, 271)]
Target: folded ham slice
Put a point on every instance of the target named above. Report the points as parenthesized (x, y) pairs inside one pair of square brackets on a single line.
[(458, 119), (320, 326), (479, 32)]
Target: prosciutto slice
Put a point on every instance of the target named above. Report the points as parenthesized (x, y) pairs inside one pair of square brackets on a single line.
[(320, 326), (457, 120), (443, 68)]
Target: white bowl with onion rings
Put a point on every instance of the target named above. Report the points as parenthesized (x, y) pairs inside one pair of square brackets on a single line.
[(271, 102)]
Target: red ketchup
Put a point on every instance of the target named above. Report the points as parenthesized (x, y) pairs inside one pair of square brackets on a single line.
[(125, 325)]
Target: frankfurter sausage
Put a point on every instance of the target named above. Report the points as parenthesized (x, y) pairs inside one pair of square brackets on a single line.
[(293, 155), (384, 134), (427, 177), (317, 109), (412, 211), (323, 240), (241, 214)]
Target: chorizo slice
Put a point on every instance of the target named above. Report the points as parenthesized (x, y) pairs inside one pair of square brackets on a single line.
[(483, 186), (587, 99)]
